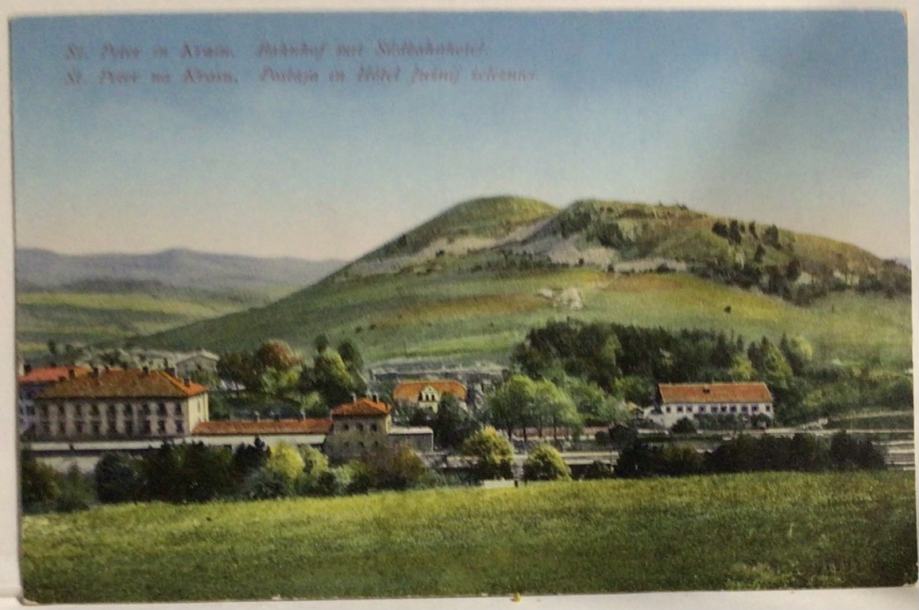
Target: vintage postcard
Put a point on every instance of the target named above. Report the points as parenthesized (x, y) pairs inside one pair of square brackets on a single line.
[(316, 305)]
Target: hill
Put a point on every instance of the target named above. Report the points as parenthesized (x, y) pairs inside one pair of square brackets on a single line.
[(458, 289), (107, 297), (749, 531)]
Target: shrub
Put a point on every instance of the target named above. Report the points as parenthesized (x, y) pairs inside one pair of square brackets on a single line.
[(545, 463), (248, 458), (285, 462), (38, 484), (117, 478), (597, 470), (684, 426), (265, 484), (76, 492), (332, 482), (493, 452), (391, 468)]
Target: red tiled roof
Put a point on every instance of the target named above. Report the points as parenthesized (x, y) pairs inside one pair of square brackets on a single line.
[(50, 374), (128, 383), (264, 428), (409, 390), (361, 407), (755, 391)]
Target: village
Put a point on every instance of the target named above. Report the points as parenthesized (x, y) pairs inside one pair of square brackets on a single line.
[(71, 415)]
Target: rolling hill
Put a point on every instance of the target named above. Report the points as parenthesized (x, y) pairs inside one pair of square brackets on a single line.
[(468, 284), (106, 297)]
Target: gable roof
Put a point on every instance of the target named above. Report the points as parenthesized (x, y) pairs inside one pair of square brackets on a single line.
[(361, 407), (51, 374), (127, 383), (409, 390), (264, 428), (754, 391)]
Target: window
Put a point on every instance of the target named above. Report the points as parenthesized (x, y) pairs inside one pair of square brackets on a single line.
[(162, 409), (679, 409), (733, 408), (79, 427), (147, 427), (112, 411), (361, 444), (768, 408), (668, 409), (180, 426), (148, 409), (360, 427), (373, 427), (97, 429), (744, 408), (129, 427), (161, 426), (345, 427), (755, 408)]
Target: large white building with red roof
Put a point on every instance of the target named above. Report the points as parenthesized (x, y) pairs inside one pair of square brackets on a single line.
[(426, 393), (675, 401), (119, 404)]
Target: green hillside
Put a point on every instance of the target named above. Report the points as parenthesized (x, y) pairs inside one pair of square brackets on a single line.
[(750, 531), (414, 300)]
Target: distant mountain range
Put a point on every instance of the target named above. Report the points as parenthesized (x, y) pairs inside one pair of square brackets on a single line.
[(179, 268), (81, 299), (468, 283)]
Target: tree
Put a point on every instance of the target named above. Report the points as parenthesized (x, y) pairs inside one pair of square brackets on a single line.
[(52, 347), (281, 383), (741, 368), (555, 407), (278, 355), (330, 376), (512, 404), (771, 364), (392, 468), (545, 463), (38, 483), (683, 426), (351, 356), (760, 254), (117, 478), (159, 471), (321, 343), (798, 352), (239, 367), (493, 452), (452, 423), (248, 458), (76, 492), (286, 462)]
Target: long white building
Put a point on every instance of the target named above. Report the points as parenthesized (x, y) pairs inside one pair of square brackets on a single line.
[(675, 401)]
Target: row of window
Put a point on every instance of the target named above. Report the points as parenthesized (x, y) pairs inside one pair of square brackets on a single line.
[(91, 410), (360, 444), (97, 428), (717, 409), (359, 427)]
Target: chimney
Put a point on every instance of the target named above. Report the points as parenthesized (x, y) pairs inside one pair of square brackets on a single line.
[(71, 372), (302, 415), (353, 397), (375, 397), (95, 371), (258, 416), (146, 370), (187, 381), (171, 370)]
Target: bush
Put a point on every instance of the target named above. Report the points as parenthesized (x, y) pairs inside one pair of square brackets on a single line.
[(265, 484), (597, 470), (285, 461), (493, 452), (545, 463), (117, 478), (38, 484), (247, 459), (76, 492), (684, 426), (390, 468), (332, 482)]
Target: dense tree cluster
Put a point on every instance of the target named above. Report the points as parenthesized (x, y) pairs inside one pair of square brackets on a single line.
[(803, 452)]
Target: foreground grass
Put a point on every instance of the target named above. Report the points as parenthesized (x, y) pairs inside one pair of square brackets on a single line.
[(770, 530)]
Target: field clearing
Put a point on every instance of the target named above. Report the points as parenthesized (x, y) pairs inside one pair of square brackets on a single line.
[(469, 316), (765, 530)]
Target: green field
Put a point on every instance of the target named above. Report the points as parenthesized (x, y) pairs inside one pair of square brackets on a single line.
[(86, 317), (465, 316), (772, 530)]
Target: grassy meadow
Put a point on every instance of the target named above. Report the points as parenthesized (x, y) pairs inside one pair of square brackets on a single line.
[(465, 316), (765, 530), (90, 317)]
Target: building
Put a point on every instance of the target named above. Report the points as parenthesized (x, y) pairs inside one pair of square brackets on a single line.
[(197, 362), (675, 401), (33, 381), (426, 394), (303, 432), (364, 425), (119, 404)]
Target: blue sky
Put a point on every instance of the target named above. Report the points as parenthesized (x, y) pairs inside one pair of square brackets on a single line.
[(798, 119)]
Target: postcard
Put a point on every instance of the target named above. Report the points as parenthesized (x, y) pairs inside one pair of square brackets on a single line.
[(325, 305)]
